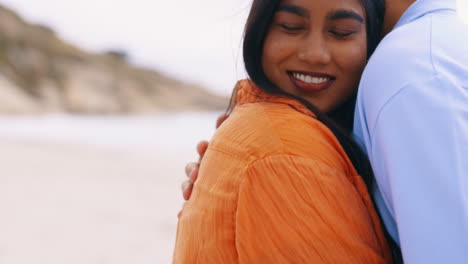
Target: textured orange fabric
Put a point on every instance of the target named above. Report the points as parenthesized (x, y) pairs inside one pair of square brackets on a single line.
[(275, 186)]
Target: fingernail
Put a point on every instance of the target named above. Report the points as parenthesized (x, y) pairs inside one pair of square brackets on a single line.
[(187, 192), (185, 185), (192, 175), (189, 168)]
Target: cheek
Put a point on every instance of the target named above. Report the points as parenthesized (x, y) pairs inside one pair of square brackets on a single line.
[(352, 59), (275, 50)]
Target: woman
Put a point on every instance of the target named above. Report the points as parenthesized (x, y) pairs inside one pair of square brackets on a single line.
[(280, 181)]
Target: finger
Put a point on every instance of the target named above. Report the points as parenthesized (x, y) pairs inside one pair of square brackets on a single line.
[(221, 119), (201, 148), (190, 167), (181, 210), (194, 175), (185, 185), (188, 193), (187, 188), (179, 214)]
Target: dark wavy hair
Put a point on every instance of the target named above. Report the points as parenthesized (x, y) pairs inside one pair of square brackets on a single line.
[(340, 120)]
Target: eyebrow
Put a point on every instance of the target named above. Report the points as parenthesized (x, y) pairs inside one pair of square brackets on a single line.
[(345, 14), (297, 10)]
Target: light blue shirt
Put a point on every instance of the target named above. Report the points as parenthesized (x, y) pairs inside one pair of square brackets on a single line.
[(412, 119)]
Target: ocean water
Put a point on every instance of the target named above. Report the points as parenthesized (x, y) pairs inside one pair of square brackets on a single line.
[(169, 132), (94, 190)]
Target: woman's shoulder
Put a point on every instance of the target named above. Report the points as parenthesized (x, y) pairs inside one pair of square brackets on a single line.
[(247, 134), (260, 129), (302, 134)]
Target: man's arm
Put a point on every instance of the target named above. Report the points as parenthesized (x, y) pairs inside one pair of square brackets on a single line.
[(418, 146)]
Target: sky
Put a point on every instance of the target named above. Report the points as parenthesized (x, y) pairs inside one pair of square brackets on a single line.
[(195, 41)]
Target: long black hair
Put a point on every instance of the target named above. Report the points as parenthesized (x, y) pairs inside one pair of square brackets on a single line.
[(340, 120)]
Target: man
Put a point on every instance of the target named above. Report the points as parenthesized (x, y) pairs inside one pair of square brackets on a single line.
[(412, 119)]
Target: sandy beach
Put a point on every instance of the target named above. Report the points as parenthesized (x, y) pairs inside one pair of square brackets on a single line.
[(84, 203)]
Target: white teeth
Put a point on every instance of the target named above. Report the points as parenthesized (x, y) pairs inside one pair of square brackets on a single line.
[(309, 79)]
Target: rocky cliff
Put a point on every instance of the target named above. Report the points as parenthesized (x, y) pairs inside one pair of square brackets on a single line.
[(40, 73)]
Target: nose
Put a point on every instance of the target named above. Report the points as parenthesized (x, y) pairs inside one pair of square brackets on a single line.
[(314, 50)]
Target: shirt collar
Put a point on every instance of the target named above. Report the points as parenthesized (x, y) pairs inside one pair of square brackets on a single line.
[(423, 7), (247, 92)]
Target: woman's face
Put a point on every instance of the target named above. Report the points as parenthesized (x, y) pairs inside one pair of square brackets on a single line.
[(317, 49)]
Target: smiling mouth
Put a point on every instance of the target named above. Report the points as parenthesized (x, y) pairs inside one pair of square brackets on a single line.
[(311, 81)]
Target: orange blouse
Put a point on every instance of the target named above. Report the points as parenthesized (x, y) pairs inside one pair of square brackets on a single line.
[(275, 186)]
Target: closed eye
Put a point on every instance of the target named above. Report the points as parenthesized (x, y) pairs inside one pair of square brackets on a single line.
[(342, 34), (290, 28)]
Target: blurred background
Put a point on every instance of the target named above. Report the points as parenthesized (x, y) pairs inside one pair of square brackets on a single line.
[(101, 105)]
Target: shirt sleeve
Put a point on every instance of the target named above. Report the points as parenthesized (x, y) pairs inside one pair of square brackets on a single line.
[(419, 152), (298, 210)]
